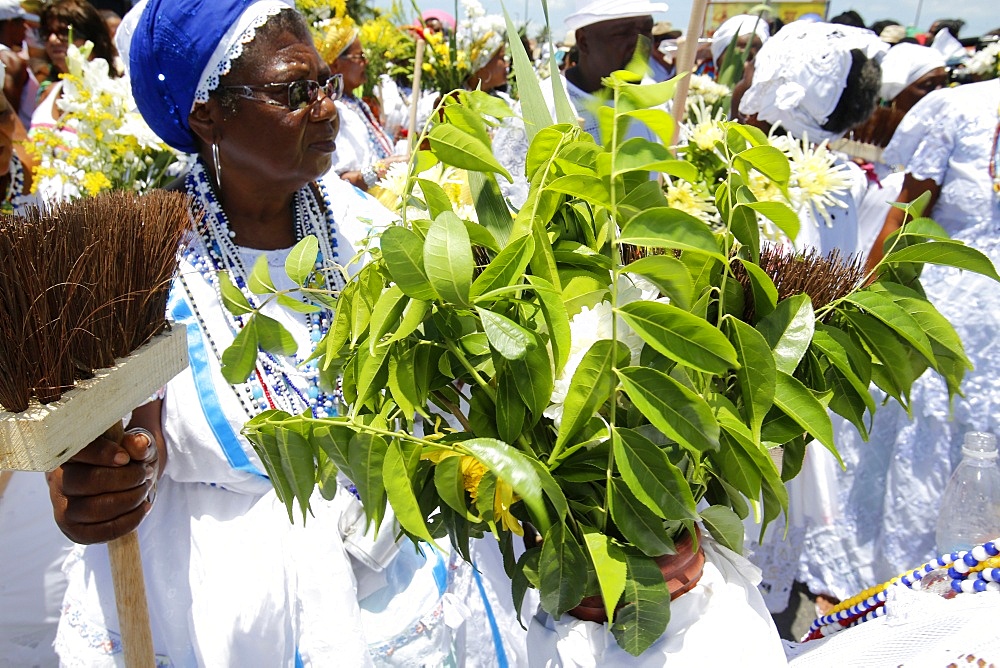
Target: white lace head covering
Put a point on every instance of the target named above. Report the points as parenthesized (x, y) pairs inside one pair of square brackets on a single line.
[(904, 64), (480, 34), (230, 47), (608, 10), (800, 73), (736, 27), (123, 36)]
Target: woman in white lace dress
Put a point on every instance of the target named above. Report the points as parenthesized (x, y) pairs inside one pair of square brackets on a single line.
[(892, 488)]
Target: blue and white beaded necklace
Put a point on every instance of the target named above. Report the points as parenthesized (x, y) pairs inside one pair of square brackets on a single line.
[(285, 383)]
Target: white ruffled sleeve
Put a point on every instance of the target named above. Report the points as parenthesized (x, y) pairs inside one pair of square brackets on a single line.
[(925, 139)]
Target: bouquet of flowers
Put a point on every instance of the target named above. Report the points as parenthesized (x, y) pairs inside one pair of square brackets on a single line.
[(600, 370), (100, 142), (450, 59), (388, 49), (982, 65)]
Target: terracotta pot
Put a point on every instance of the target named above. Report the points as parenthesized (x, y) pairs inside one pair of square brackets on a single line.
[(681, 572)]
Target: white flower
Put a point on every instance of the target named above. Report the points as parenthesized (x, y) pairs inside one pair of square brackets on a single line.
[(588, 327), (985, 63), (706, 90), (707, 129), (681, 195), (817, 180)]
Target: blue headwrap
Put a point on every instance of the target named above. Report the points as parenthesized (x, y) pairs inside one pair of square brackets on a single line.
[(175, 59)]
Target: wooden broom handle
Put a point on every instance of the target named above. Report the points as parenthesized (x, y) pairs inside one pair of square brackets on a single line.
[(130, 592)]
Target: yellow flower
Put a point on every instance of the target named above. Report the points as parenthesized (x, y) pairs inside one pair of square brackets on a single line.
[(472, 474), (95, 182), (503, 499)]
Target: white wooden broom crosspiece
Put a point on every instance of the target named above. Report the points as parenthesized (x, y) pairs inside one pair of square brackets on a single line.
[(43, 437)]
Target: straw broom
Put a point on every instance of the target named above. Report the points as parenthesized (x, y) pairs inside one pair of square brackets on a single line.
[(83, 340)]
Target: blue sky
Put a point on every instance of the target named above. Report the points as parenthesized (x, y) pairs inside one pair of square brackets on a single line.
[(980, 16)]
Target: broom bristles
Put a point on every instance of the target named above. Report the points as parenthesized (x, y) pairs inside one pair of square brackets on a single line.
[(82, 284)]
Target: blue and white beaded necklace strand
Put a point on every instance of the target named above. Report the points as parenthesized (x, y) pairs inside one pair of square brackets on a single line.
[(285, 383)]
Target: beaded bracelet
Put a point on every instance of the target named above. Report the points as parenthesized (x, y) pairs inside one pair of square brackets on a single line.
[(971, 571)]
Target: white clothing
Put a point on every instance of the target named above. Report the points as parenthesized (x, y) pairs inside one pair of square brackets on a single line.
[(842, 231), (721, 622), (735, 27), (892, 487), (32, 550), (360, 144), (609, 10), (229, 580)]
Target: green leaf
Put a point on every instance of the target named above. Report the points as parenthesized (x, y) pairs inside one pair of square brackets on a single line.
[(893, 316), (769, 161), (372, 375), (506, 268), (413, 316), (301, 260), (657, 120), (638, 524), (232, 297), (756, 374), (778, 213), (491, 208), (399, 490), (609, 562), (853, 364), (524, 474), (946, 253), (681, 336), (561, 563), (385, 314), (458, 148), (467, 120), (435, 197), (670, 228), (588, 188), (930, 320), (652, 477), (366, 454), (672, 408), (668, 274), (788, 331), (735, 466), (534, 372), (333, 438), (265, 442), (556, 320), (765, 294), (544, 147), (725, 526), (403, 251), (644, 618), (448, 259), (592, 384), (240, 358), (888, 350), (450, 486), (798, 403), (259, 282), (510, 409), (644, 96), (298, 464), (639, 154), (295, 305), (507, 337), (273, 337), (533, 107)]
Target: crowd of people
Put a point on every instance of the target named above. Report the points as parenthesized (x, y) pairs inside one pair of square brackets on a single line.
[(286, 126)]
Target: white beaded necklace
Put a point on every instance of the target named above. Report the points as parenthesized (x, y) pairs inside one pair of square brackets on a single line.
[(285, 383)]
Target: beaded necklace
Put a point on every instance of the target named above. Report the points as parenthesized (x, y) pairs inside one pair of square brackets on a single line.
[(376, 136), (969, 572), (285, 383)]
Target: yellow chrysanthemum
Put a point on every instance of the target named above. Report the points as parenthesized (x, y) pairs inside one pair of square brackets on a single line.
[(472, 474), (95, 182)]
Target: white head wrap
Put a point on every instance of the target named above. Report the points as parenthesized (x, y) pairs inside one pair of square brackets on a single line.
[(949, 47), (904, 64), (736, 27), (800, 74), (123, 36), (480, 34), (608, 10)]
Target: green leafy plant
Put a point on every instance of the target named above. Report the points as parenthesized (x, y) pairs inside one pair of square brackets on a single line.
[(597, 365)]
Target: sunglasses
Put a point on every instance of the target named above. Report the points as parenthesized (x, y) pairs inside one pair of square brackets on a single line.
[(301, 94)]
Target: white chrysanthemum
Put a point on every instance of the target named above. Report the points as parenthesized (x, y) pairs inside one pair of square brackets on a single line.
[(706, 90), (682, 195), (588, 327), (817, 180), (985, 63), (706, 130)]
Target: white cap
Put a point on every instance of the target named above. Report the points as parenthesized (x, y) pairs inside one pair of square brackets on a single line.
[(904, 64), (12, 9), (609, 10)]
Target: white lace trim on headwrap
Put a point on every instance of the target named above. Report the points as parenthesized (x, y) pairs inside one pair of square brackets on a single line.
[(801, 72), (231, 46)]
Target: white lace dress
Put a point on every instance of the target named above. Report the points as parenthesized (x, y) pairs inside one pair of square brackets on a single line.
[(890, 492)]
